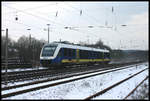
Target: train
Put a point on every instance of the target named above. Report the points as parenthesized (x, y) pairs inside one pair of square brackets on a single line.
[(59, 53)]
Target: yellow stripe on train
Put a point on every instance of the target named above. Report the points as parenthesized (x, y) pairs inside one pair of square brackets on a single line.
[(83, 60)]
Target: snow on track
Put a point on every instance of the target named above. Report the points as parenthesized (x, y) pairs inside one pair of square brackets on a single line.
[(23, 69), (80, 89)]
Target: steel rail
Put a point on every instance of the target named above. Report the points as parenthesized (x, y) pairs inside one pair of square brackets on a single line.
[(53, 84), (112, 86), (56, 78), (20, 76), (136, 87)]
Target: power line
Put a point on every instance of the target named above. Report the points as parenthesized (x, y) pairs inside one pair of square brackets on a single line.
[(56, 27), (85, 13), (84, 32), (69, 11), (32, 8), (22, 23), (34, 15), (28, 25)]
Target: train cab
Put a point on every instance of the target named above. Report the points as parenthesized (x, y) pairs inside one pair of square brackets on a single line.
[(47, 54)]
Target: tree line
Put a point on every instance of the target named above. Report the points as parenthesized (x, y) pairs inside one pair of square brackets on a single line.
[(25, 48)]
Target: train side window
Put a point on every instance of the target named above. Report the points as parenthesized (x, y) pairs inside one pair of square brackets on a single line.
[(73, 52), (108, 55), (105, 55), (89, 54), (96, 55), (59, 53), (92, 54), (100, 55), (65, 51), (69, 52), (81, 54), (86, 54)]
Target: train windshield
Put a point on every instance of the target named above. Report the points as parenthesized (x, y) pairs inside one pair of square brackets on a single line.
[(49, 50)]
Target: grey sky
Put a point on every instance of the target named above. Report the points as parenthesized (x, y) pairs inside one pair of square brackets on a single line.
[(35, 15)]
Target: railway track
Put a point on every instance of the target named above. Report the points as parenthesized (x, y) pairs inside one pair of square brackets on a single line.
[(136, 87), (114, 85), (57, 82), (57, 78), (36, 74)]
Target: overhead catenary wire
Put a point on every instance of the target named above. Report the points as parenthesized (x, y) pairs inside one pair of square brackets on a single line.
[(28, 26), (68, 22), (85, 13), (85, 33), (16, 29), (45, 19), (55, 16), (32, 15), (73, 28), (57, 13), (25, 24), (100, 26), (32, 8), (130, 41), (7, 20), (36, 16)]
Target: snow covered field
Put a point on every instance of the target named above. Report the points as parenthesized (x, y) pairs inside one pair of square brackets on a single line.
[(80, 89)]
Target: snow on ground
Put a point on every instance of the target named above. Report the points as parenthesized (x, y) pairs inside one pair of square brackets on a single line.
[(23, 69), (80, 89), (122, 90), (142, 92), (41, 84), (23, 82)]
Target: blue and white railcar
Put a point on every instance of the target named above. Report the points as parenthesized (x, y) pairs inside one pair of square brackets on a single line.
[(60, 53)]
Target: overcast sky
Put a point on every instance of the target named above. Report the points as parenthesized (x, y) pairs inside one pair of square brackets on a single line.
[(71, 21)]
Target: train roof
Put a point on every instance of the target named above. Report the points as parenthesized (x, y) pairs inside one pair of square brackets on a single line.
[(75, 46)]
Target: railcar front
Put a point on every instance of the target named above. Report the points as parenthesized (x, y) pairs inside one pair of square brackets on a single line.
[(48, 54)]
